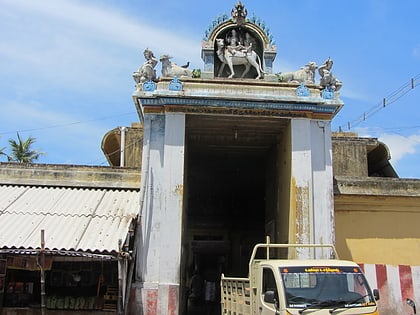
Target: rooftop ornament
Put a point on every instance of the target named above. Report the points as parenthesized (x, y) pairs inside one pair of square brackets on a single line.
[(171, 69), (305, 74), (147, 71), (239, 13), (328, 80)]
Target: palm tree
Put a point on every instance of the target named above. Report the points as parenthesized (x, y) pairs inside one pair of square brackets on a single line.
[(22, 152)]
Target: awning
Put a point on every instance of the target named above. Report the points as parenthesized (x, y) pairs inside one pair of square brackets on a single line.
[(73, 219)]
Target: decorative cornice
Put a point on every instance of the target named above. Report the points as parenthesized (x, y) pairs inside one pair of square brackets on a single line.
[(163, 105), (243, 104)]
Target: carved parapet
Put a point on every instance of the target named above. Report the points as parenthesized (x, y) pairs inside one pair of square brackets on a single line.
[(239, 97)]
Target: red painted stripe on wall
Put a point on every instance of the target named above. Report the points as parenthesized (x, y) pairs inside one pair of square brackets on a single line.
[(362, 266), (382, 283), (151, 302), (172, 300), (381, 277), (406, 282)]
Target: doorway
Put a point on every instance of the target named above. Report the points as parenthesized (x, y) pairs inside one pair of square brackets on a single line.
[(230, 201)]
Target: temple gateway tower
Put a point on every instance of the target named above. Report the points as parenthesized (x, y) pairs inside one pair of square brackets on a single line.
[(229, 157)]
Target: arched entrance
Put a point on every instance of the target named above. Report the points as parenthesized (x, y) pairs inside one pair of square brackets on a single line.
[(232, 201)]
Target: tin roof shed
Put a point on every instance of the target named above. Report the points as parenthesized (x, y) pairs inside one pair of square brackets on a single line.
[(79, 219)]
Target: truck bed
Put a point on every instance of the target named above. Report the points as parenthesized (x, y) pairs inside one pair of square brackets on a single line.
[(235, 295)]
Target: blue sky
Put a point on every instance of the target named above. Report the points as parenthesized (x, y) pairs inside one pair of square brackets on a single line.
[(66, 66)]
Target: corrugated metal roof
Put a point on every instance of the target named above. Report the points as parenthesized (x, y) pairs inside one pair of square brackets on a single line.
[(72, 218)]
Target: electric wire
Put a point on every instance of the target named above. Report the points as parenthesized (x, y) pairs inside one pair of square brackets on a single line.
[(99, 161), (385, 102), (64, 124)]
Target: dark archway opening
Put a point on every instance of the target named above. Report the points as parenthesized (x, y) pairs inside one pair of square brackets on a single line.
[(225, 211)]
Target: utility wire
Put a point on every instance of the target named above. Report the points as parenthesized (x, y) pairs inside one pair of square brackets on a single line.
[(65, 124), (386, 101)]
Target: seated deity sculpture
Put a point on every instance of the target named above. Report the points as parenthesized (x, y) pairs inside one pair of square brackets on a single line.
[(234, 44), (147, 71), (237, 55), (328, 80)]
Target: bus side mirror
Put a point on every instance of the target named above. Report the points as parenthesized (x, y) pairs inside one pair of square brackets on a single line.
[(376, 294)]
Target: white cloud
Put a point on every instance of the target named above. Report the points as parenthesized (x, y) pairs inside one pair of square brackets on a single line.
[(76, 44), (400, 146)]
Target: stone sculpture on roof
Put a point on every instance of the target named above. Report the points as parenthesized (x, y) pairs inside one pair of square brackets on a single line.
[(171, 69), (328, 80), (239, 13), (306, 74), (147, 71), (233, 55), (238, 47)]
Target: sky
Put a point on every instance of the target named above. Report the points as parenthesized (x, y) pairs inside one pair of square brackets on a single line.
[(66, 65)]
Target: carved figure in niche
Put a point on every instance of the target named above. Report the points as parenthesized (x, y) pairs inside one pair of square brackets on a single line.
[(244, 56), (306, 74), (171, 69), (235, 44), (328, 80), (249, 41), (147, 71)]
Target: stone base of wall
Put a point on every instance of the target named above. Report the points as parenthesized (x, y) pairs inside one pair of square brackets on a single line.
[(152, 298), (37, 311)]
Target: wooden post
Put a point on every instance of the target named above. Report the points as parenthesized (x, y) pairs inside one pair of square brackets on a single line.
[(41, 267)]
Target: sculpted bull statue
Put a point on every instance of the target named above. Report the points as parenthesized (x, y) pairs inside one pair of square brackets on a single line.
[(171, 69), (306, 74), (238, 55)]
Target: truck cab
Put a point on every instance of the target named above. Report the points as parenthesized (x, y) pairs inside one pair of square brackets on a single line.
[(314, 287), (299, 286)]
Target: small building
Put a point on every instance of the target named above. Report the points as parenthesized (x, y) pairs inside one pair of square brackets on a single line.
[(66, 236)]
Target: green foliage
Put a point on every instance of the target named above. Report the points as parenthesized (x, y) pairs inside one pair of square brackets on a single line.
[(196, 73), (21, 150), (279, 77)]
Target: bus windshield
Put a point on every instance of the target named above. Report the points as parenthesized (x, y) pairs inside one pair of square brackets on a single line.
[(330, 286)]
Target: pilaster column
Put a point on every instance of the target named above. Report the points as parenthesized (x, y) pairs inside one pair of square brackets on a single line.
[(312, 203), (159, 255)]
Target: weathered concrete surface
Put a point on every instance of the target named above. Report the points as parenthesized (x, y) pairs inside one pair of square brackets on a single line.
[(360, 157), (312, 208), (69, 175), (350, 156), (379, 186), (159, 256)]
